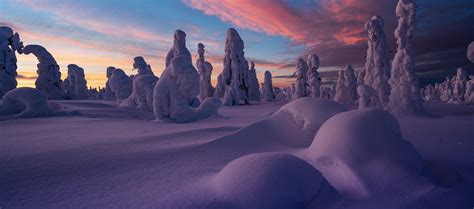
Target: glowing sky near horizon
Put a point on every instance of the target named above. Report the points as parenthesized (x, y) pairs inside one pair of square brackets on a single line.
[(95, 34)]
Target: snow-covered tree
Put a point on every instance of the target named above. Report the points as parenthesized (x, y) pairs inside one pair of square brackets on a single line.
[(205, 71), (235, 70), (254, 90), (377, 65), (108, 94), (405, 97), (314, 81), (143, 68), (341, 89), (75, 84), (49, 76), (350, 83), (301, 79), (469, 95), (470, 51), (120, 85), (459, 85), (9, 44), (220, 87), (268, 94), (142, 93), (368, 97), (179, 47)]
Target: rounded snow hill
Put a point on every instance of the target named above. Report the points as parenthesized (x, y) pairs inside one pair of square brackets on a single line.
[(268, 180), (361, 154), (24, 102)]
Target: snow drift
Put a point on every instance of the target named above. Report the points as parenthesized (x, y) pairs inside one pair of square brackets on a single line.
[(24, 103)]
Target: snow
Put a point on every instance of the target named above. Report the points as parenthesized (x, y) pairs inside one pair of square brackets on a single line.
[(9, 44), (49, 76), (24, 102), (314, 81), (268, 94), (470, 51), (120, 84), (254, 87)]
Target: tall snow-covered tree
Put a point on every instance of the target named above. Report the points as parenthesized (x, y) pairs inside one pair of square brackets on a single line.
[(301, 79), (254, 88), (9, 44), (350, 81), (205, 71), (314, 81), (268, 94)]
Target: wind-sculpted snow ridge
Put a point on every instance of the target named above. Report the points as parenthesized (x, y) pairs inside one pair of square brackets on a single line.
[(142, 67), (254, 87), (301, 78), (120, 85), (470, 51), (405, 96), (205, 71), (9, 44), (235, 72), (314, 80), (178, 87), (75, 84), (142, 93), (268, 94), (368, 97), (377, 65), (49, 76)]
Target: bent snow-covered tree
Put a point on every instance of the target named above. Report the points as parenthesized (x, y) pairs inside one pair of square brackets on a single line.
[(268, 94), (49, 76), (405, 96), (205, 71), (75, 84), (235, 70), (142, 67), (314, 81), (377, 65), (254, 89), (9, 44), (301, 78)]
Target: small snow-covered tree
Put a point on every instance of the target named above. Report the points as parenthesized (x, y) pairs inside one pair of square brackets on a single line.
[(75, 84), (120, 85), (9, 44), (405, 97), (301, 79), (254, 90), (235, 70), (268, 94), (142, 93), (377, 66), (220, 87), (368, 97), (314, 81), (341, 89), (350, 81), (205, 71), (143, 68), (108, 94), (49, 76), (459, 85)]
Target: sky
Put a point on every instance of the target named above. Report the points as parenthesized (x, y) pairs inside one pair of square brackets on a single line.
[(95, 34)]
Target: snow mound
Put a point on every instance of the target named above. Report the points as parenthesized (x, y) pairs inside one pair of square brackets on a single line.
[(24, 103), (361, 153), (268, 180)]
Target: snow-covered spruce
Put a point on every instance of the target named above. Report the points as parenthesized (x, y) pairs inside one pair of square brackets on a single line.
[(469, 95), (350, 81), (341, 89), (301, 78), (120, 84), (377, 65), (314, 81), (142, 67), (179, 47), (235, 70), (362, 153), (268, 94), (220, 87), (24, 102), (109, 95), (49, 76), (205, 71), (142, 93), (368, 97), (459, 86), (254, 87), (405, 97), (268, 181), (470, 51), (9, 44), (75, 84)]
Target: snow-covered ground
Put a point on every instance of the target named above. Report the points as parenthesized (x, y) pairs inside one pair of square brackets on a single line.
[(111, 157)]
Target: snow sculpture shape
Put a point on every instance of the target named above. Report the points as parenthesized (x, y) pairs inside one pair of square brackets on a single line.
[(254, 87), (24, 102), (301, 78), (350, 81), (205, 71), (341, 89), (49, 76), (179, 47), (470, 52), (269, 181), (405, 97), (314, 81), (235, 70), (361, 153), (75, 84), (377, 65), (108, 92), (143, 68), (368, 97), (268, 94), (142, 93), (120, 85), (9, 44)]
